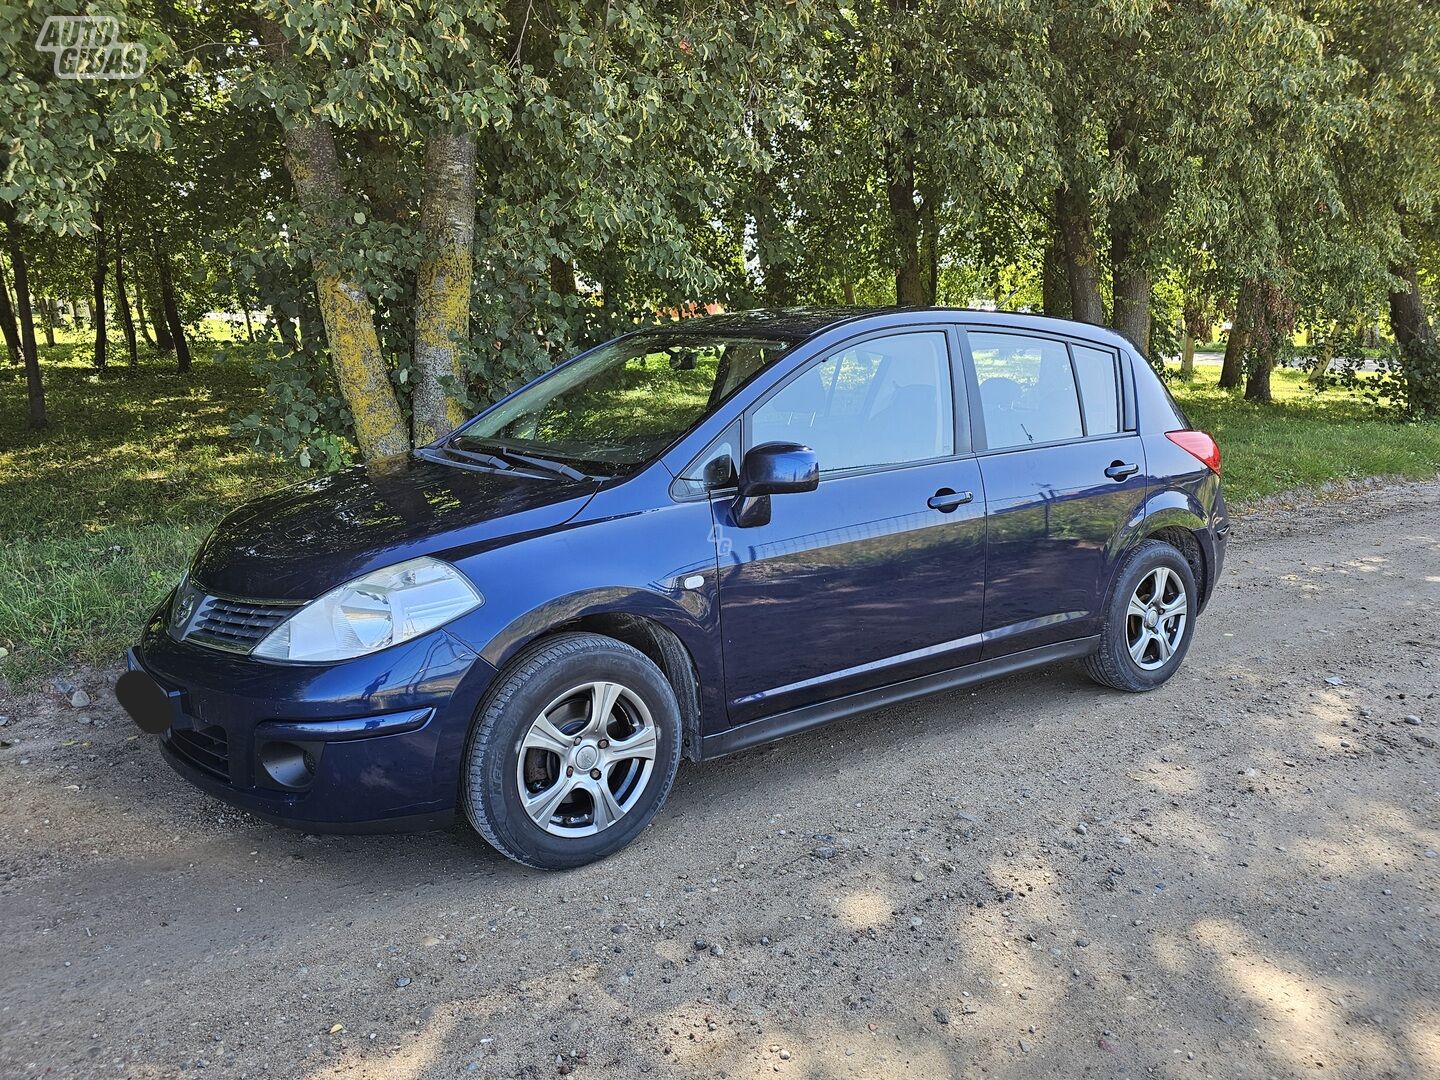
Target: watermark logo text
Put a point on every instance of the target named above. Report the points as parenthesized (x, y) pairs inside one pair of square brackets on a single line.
[(89, 47)]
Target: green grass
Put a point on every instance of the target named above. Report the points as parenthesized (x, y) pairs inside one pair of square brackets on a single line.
[(100, 513), (1305, 438)]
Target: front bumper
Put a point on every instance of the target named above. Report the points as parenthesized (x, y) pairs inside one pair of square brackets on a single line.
[(385, 732)]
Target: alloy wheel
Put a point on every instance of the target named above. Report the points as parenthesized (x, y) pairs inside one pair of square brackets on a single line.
[(1155, 618), (586, 759)]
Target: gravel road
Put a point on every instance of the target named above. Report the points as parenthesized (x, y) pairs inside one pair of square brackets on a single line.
[(1233, 876)]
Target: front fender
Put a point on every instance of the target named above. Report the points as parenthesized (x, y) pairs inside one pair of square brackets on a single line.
[(658, 565)]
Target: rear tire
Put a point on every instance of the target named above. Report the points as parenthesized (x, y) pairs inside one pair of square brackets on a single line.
[(573, 752), (1149, 620)]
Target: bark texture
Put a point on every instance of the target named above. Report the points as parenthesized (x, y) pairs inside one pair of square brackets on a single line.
[(1408, 321), (1054, 285), (102, 262), (1072, 211), (1233, 369), (34, 388), (905, 220), (122, 300), (1129, 285), (169, 306), (442, 303), (360, 369), (7, 320), (914, 285)]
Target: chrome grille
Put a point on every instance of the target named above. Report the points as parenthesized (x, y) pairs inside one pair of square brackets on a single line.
[(204, 748), (235, 625)]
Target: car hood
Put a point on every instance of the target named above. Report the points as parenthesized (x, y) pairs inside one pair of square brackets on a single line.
[(299, 543)]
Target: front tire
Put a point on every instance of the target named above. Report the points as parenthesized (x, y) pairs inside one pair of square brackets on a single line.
[(1149, 620), (573, 752)]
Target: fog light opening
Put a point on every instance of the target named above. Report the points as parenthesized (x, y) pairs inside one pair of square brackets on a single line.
[(289, 765)]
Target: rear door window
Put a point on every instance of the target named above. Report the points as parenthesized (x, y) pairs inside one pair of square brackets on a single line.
[(1099, 388), (1027, 390)]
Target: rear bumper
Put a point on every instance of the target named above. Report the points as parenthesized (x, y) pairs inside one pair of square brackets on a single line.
[(382, 735), (1218, 535)]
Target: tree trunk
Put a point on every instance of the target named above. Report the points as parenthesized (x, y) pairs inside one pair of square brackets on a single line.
[(47, 320), (1408, 320), (168, 303), (102, 262), (905, 221), (7, 321), (140, 316), (1270, 326), (34, 387), (1129, 284), (442, 301), (930, 244), (1054, 287), (164, 343), (1233, 369), (1130, 288), (249, 326), (1324, 357), (847, 292), (1072, 210), (901, 187), (1195, 315), (122, 300), (1257, 381), (360, 369), (562, 277)]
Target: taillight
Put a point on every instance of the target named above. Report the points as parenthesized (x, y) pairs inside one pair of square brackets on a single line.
[(1199, 445)]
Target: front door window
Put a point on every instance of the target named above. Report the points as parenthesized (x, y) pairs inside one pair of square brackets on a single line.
[(886, 401)]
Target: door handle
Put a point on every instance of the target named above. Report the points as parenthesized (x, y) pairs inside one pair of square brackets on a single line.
[(1119, 470), (946, 500)]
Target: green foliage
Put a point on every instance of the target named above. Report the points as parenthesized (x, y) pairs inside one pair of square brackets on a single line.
[(1304, 438), (65, 137), (1406, 381), (303, 420), (102, 513)]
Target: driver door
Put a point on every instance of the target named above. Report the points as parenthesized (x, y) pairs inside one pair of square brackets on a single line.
[(878, 574)]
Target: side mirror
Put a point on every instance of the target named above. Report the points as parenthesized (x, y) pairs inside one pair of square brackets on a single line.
[(774, 468)]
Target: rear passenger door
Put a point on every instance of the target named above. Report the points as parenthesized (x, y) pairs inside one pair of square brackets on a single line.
[(1064, 470)]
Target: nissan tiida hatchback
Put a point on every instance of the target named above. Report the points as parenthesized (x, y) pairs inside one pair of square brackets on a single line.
[(687, 541)]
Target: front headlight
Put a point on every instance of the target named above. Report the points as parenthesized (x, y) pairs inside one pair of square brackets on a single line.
[(383, 608)]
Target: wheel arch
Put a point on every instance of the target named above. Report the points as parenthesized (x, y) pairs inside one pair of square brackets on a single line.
[(1176, 518), (643, 621)]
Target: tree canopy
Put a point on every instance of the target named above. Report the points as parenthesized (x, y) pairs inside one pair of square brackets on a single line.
[(420, 203)]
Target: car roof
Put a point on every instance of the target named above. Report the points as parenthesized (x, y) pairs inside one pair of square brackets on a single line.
[(798, 324)]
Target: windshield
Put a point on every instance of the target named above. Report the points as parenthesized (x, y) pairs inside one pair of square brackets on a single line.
[(623, 403)]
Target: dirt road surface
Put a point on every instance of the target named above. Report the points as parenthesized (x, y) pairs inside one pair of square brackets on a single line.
[(1233, 876)]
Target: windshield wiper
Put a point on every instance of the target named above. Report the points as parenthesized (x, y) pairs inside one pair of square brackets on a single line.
[(557, 467), (493, 460)]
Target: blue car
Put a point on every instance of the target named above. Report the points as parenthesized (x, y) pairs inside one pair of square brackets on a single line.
[(682, 543)]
